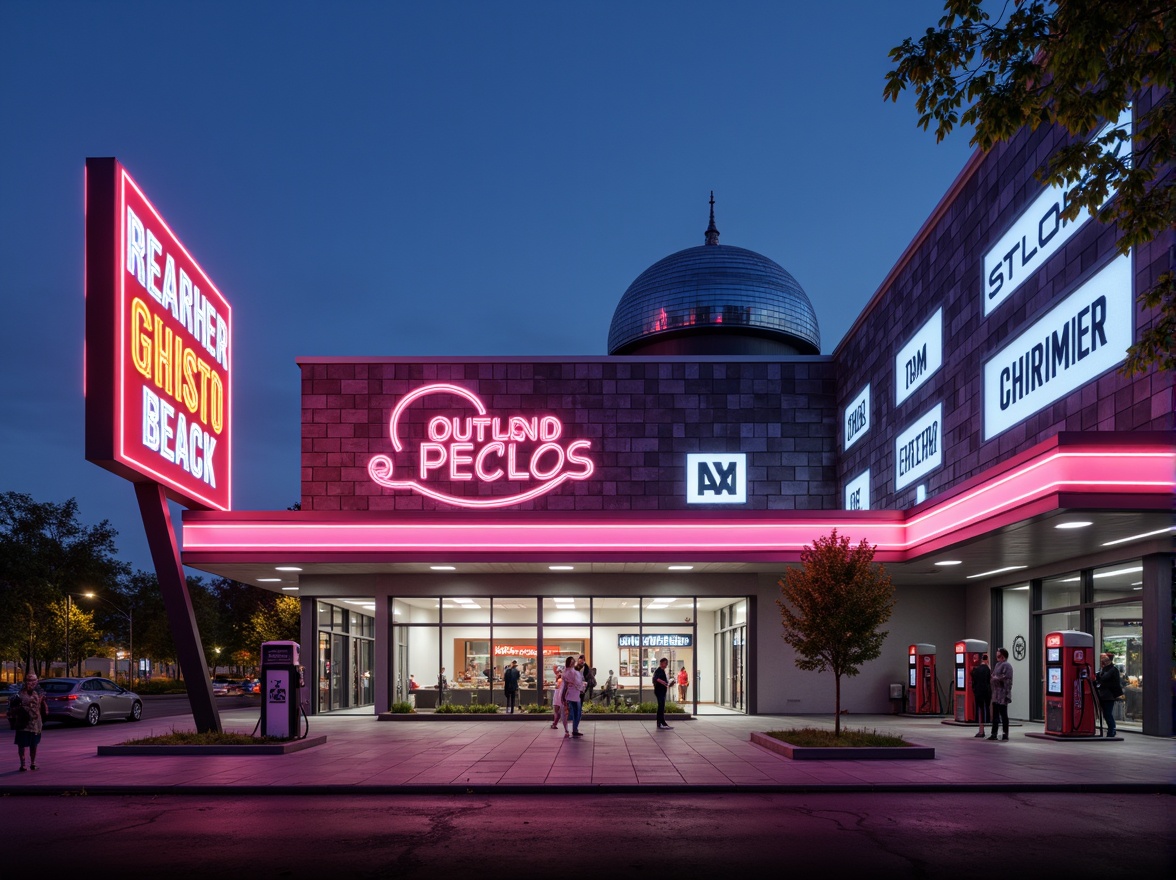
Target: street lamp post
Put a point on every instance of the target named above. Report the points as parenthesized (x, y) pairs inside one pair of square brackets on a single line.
[(130, 616), (68, 610)]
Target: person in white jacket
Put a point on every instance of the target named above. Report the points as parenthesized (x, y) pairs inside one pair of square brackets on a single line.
[(573, 687)]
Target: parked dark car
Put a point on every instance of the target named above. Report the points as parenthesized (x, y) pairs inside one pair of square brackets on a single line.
[(89, 700)]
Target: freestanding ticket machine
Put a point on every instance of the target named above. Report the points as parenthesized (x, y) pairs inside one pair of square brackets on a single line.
[(1071, 704), (922, 695), (281, 689), (967, 656)]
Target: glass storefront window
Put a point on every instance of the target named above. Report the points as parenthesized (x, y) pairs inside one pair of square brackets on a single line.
[(1118, 582), (416, 610), (512, 609), (1119, 632), (572, 609), (465, 609), (616, 610), (1061, 592)]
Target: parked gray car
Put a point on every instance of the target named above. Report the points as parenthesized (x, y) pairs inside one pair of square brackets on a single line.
[(89, 700)]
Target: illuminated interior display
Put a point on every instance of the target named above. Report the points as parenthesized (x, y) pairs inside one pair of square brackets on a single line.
[(158, 348), (1038, 233), (439, 446), (1029, 488)]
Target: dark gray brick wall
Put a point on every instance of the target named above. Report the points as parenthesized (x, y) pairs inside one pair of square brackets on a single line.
[(642, 416), (946, 270)]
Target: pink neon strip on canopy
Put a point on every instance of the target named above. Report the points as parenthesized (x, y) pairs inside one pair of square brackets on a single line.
[(1114, 471)]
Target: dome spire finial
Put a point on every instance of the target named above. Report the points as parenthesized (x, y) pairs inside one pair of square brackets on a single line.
[(712, 233)]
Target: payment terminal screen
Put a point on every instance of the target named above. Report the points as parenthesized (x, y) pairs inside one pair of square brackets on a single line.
[(1054, 680)]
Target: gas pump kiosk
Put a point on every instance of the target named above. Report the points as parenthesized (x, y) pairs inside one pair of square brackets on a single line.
[(922, 695), (1071, 704), (967, 656), (281, 689)]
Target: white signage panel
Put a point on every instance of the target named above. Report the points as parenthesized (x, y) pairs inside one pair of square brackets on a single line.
[(919, 449), (1078, 340), (917, 361), (857, 418), (716, 478), (857, 492), (1036, 235)]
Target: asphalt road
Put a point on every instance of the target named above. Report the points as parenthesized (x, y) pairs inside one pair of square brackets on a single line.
[(1068, 836)]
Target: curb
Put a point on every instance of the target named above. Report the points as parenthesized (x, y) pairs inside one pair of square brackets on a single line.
[(283, 748), (532, 789), (912, 752)]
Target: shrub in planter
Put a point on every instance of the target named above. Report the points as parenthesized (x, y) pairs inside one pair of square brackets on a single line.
[(402, 708)]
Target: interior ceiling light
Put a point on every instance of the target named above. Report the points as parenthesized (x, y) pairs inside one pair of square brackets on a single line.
[(443, 567), (948, 562), (1074, 524), (1139, 537), (289, 588), (269, 580), (561, 568), (681, 568), (996, 571), (287, 568)]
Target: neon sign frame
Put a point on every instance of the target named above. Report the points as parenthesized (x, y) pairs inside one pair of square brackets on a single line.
[(118, 387)]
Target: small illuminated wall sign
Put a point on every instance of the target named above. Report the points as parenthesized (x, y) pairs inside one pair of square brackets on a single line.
[(1078, 340), (1037, 234), (857, 492), (655, 640), (465, 443), (857, 418), (716, 478), (917, 361), (158, 349), (919, 449)]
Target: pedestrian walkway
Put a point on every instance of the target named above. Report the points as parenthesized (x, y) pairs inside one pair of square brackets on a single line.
[(707, 753)]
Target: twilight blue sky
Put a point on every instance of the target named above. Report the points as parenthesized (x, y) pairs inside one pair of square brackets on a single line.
[(449, 178)]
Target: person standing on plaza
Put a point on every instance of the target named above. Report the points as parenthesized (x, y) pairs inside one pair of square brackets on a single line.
[(683, 683), (557, 702), (661, 684), (510, 686), (982, 692), (573, 686), (26, 714), (1110, 689), (610, 687), (1002, 693)]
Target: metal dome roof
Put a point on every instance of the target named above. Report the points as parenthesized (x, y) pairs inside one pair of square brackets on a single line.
[(711, 290)]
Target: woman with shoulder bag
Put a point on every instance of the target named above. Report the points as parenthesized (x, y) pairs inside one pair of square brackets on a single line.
[(27, 712)]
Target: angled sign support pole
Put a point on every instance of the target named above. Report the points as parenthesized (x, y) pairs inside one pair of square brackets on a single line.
[(174, 588)]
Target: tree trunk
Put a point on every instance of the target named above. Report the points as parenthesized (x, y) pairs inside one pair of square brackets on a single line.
[(837, 707)]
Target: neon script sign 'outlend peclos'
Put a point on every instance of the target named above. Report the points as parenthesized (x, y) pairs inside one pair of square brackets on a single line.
[(474, 446)]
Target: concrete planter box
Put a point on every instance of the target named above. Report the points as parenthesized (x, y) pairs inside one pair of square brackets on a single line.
[(521, 717), (283, 748), (911, 752)]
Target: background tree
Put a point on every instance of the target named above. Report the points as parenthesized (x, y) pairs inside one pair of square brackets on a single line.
[(278, 619), (1077, 64), (46, 552), (832, 606)]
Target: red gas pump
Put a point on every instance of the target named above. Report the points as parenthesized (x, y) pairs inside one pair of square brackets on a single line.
[(967, 656), (922, 690), (1071, 704)]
